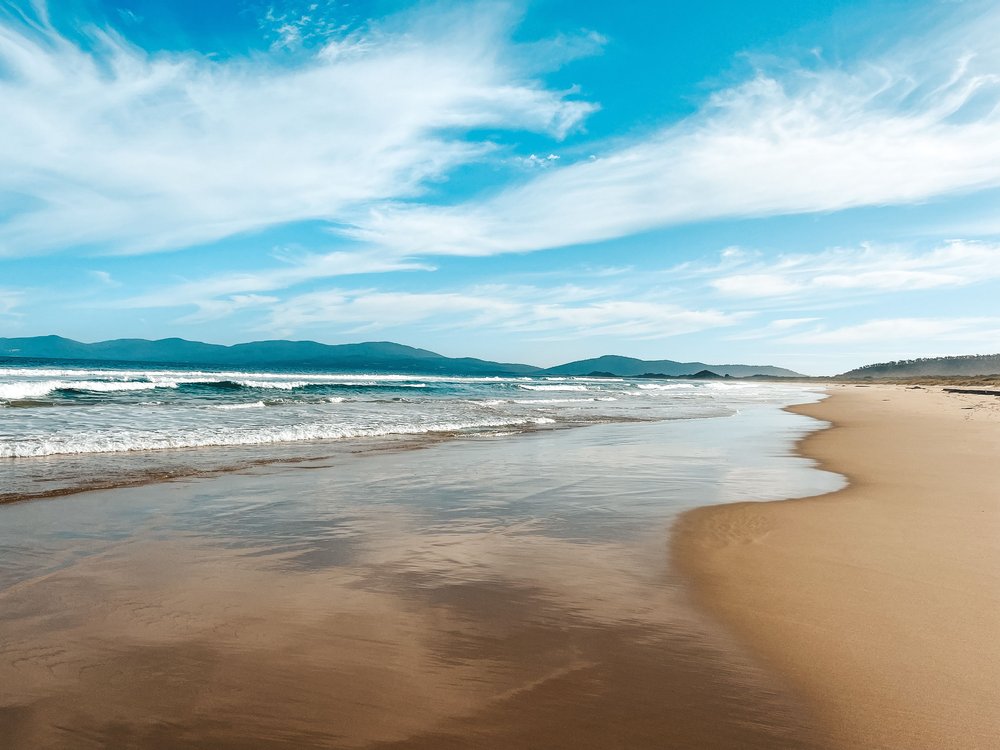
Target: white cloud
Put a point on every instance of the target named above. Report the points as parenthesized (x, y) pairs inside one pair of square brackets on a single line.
[(132, 152), (114, 147), (623, 302), (779, 326), (756, 285), (104, 278), (10, 299), (206, 292), (917, 121), (292, 26), (843, 272), (534, 161), (220, 308), (567, 311), (891, 333)]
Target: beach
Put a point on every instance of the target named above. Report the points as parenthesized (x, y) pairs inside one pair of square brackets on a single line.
[(481, 591), (619, 585), (880, 602)]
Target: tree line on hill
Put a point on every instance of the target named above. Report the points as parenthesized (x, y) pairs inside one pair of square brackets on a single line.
[(971, 364)]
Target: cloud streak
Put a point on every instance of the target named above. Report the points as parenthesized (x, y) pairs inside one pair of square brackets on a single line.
[(10, 299), (105, 145), (848, 272), (919, 121), (108, 146), (565, 311), (890, 334), (214, 295)]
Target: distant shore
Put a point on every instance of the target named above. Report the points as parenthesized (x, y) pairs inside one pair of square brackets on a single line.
[(880, 602)]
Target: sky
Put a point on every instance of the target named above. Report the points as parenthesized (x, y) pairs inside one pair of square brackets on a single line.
[(811, 185)]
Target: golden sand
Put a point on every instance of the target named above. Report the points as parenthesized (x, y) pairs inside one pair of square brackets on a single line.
[(350, 606), (880, 602)]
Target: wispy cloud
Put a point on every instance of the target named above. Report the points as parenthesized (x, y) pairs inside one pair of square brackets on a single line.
[(214, 295), (844, 272), (291, 26), (104, 144), (890, 334), (10, 299), (779, 327), (906, 125), (565, 311), (104, 278), (211, 309), (622, 301)]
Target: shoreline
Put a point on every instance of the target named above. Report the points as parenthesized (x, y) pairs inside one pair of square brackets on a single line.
[(505, 593), (880, 602), (322, 450), (231, 459)]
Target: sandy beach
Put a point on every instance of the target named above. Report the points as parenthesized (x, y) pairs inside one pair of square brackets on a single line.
[(519, 592), (486, 593), (880, 602)]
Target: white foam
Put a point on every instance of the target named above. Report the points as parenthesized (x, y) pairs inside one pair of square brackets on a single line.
[(289, 385), (666, 387), (41, 388), (585, 379), (554, 387), (129, 441), (215, 376), (233, 407), (281, 385), (557, 400)]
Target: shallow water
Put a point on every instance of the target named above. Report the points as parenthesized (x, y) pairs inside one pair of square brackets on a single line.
[(66, 426), (489, 591)]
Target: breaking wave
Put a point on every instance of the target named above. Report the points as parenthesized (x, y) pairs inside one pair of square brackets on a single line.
[(110, 442)]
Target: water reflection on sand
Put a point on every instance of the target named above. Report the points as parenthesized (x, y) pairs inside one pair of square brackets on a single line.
[(484, 593)]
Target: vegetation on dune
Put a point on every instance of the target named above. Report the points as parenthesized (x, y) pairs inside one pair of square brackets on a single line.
[(967, 365)]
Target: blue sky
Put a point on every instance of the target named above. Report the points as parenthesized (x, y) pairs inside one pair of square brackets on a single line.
[(814, 185)]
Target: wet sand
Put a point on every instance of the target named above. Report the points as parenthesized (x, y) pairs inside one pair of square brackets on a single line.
[(881, 602), (478, 594)]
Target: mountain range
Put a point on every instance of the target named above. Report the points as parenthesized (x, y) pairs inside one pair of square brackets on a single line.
[(631, 367), (373, 355)]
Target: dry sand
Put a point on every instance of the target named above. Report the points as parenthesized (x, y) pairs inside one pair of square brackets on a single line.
[(880, 602)]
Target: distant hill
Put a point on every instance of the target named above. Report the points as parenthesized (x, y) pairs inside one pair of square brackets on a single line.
[(374, 355), (630, 367), (973, 364), (384, 356)]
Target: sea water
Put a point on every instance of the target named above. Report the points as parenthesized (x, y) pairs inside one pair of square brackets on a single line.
[(67, 425)]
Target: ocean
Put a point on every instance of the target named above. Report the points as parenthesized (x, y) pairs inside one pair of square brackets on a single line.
[(68, 425)]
